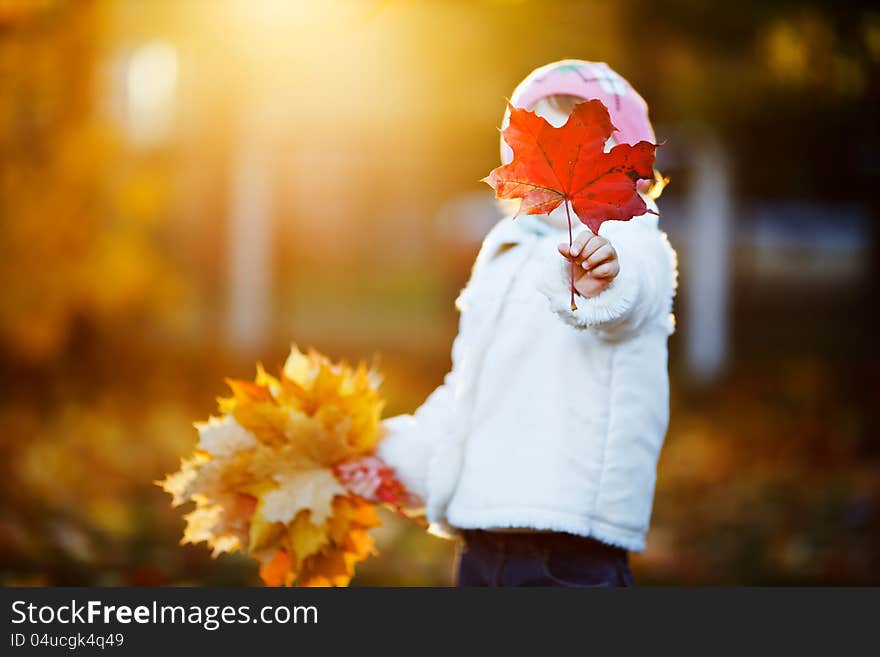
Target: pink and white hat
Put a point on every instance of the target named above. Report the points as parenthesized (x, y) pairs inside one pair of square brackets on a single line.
[(587, 80)]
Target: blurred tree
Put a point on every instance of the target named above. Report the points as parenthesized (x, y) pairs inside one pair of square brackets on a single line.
[(85, 278), (77, 239)]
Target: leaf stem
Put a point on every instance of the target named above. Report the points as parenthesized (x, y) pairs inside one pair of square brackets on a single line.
[(571, 260)]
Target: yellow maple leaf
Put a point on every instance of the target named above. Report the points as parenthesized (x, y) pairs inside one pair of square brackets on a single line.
[(205, 523), (311, 490), (223, 436), (179, 483), (305, 539), (263, 533)]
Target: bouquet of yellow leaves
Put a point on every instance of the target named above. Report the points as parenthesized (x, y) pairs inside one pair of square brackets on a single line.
[(273, 475)]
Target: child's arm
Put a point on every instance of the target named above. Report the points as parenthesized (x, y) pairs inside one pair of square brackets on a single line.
[(406, 450), (410, 439), (409, 442), (629, 281)]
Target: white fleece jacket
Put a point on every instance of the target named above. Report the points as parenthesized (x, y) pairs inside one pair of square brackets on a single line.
[(549, 419)]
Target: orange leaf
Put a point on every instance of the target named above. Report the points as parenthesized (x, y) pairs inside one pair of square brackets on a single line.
[(248, 391), (330, 568), (276, 572)]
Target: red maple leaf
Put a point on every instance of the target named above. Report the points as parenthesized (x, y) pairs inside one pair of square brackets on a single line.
[(569, 165)]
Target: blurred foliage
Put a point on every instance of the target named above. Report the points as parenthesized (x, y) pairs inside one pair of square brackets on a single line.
[(113, 271), (793, 86), (77, 236), (770, 479)]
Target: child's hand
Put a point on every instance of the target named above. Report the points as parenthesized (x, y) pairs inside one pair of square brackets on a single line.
[(595, 261), (372, 479)]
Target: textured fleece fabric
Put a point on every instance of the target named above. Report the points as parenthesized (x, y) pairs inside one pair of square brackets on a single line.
[(550, 419)]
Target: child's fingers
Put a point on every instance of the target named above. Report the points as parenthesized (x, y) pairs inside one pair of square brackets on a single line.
[(604, 253), (581, 241), (606, 270), (596, 243), (582, 247)]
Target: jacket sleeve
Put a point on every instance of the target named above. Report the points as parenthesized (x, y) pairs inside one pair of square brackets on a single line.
[(410, 439), (641, 294)]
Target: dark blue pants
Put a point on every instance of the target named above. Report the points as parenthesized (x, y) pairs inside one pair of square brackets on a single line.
[(540, 559)]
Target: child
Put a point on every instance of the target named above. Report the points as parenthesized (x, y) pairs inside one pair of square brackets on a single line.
[(540, 447)]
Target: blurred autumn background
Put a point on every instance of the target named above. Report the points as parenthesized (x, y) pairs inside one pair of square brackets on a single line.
[(189, 186)]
